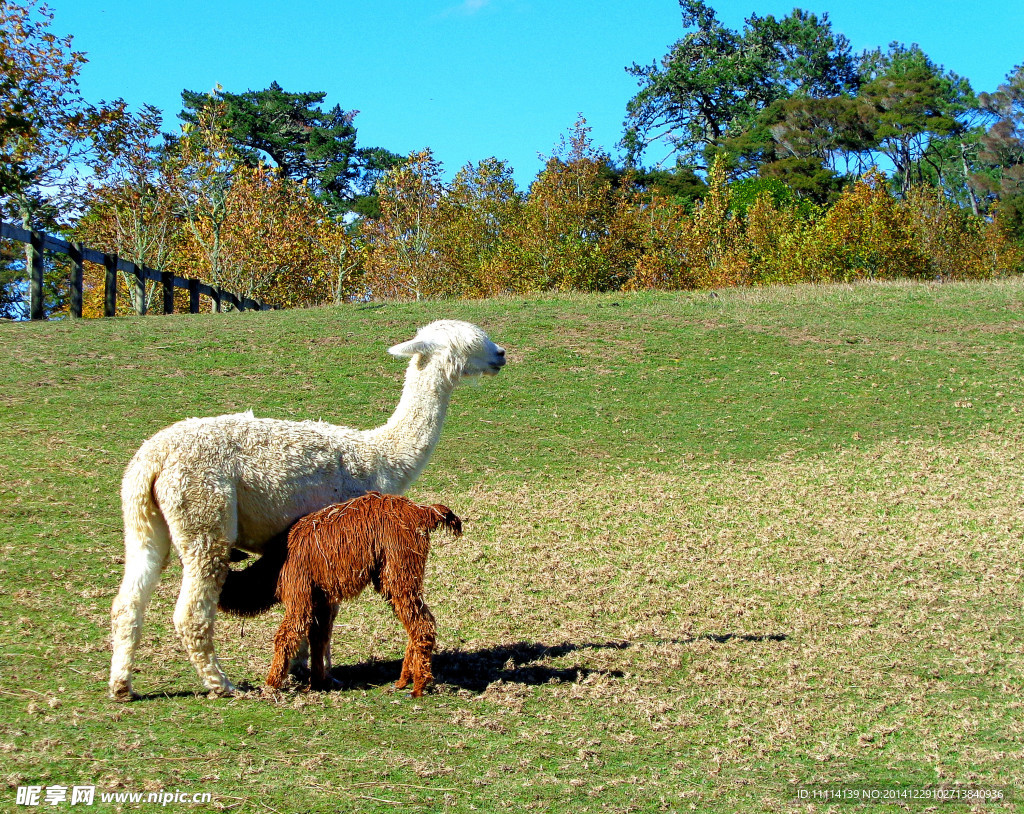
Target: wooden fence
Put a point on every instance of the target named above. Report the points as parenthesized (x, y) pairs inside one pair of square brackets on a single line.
[(40, 242)]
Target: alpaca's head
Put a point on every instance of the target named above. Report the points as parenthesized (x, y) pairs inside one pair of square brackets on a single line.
[(461, 348), (441, 515)]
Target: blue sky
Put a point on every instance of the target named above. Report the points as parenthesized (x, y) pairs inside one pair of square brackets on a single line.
[(471, 78)]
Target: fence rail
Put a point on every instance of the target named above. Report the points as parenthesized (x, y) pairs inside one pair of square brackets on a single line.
[(41, 241)]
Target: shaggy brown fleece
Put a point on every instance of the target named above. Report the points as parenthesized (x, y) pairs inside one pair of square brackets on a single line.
[(332, 555)]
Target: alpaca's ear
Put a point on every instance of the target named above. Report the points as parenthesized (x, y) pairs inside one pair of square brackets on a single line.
[(412, 347)]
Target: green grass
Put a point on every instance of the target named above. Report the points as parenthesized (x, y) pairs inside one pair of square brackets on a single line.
[(717, 547)]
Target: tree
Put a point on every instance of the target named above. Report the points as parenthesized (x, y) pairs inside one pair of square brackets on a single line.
[(915, 107), (273, 241), (478, 210), (865, 235), (400, 258), (1001, 152), (47, 129), (199, 173), (127, 208), (812, 144), (715, 80), (677, 249), (566, 217), (681, 184), (304, 142)]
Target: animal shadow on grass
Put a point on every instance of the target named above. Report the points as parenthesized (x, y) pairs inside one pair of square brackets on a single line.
[(474, 670), (517, 663)]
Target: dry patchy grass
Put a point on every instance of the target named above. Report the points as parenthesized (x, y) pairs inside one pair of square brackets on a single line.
[(710, 637)]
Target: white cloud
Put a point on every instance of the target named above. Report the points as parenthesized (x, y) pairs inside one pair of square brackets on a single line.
[(468, 7)]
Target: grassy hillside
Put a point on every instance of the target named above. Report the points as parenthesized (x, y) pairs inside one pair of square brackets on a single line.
[(717, 546)]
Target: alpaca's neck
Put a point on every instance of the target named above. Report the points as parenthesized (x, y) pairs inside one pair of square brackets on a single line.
[(406, 442)]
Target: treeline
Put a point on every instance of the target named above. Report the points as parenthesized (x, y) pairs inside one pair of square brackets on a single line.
[(585, 226), (789, 159)]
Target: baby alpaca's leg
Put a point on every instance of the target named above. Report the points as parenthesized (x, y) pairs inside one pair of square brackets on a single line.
[(419, 624), (406, 676), (293, 631), (319, 645)]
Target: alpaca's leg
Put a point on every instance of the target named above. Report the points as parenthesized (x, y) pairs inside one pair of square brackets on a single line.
[(196, 611), (419, 624), (319, 644), (299, 667), (298, 618), (203, 520), (299, 664), (145, 556), (327, 652), (407, 666), (408, 662)]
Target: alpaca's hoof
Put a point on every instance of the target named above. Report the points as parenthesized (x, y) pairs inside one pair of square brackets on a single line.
[(123, 695), (225, 691), (274, 682), (418, 688), (121, 691)]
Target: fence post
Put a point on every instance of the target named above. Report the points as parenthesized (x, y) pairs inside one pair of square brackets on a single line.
[(110, 285), (77, 275), (167, 280), (193, 296), (140, 289), (35, 302)]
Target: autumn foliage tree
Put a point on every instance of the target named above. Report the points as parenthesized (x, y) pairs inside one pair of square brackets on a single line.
[(400, 254), (565, 219), (683, 251), (479, 210), (128, 210), (47, 128), (195, 208), (275, 244)]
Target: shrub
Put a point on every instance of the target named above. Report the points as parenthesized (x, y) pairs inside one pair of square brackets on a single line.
[(865, 235)]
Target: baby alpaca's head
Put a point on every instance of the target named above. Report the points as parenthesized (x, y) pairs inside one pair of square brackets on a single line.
[(441, 515)]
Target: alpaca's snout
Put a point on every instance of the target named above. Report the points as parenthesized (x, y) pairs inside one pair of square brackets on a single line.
[(498, 362)]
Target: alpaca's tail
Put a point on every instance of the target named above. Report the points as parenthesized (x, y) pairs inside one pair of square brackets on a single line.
[(143, 520), (253, 590), (447, 518)]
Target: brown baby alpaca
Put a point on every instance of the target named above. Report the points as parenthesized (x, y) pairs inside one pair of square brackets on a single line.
[(334, 553)]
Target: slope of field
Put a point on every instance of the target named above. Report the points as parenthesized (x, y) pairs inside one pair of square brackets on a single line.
[(719, 548)]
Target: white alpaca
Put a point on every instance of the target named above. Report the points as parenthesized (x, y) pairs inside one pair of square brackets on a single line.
[(208, 485)]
